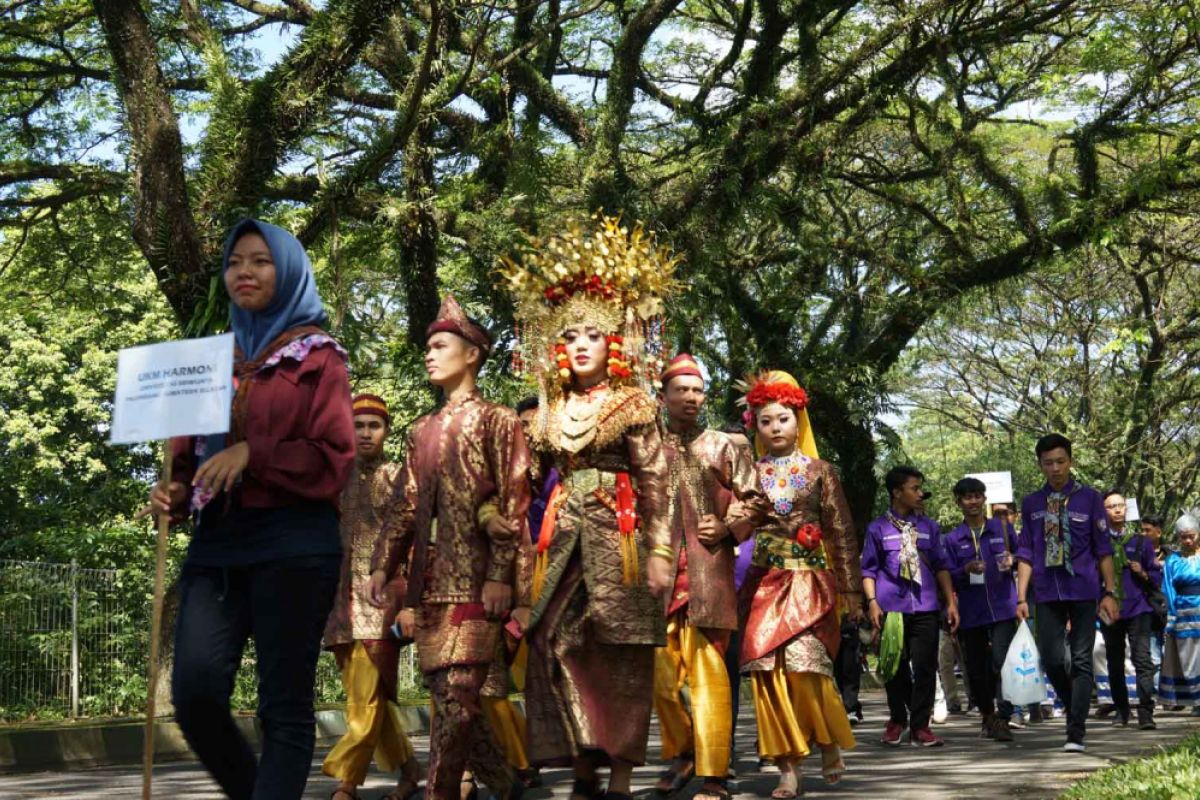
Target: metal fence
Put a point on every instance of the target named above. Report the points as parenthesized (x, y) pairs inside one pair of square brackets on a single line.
[(74, 643), (64, 643)]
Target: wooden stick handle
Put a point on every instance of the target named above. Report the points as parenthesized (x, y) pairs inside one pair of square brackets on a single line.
[(160, 569)]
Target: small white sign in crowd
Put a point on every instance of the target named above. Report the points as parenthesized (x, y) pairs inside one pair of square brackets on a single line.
[(182, 388)]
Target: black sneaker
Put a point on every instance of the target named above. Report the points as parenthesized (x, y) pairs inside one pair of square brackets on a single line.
[(1120, 720)]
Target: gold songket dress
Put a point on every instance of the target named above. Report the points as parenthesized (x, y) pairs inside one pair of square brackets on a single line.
[(805, 556), (595, 624)]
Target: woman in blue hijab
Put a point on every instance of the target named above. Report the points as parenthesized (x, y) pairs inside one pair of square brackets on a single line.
[(265, 556)]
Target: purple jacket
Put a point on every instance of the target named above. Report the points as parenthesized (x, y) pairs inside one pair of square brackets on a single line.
[(742, 565), (1089, 543), (994, 600), (881, 561), (1141, 550)]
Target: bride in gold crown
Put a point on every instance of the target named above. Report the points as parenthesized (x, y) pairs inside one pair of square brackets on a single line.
[(589, 303)]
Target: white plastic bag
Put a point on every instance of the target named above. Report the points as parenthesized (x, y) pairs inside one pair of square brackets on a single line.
[(1021, 679)]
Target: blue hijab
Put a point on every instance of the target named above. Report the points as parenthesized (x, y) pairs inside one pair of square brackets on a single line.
[(296, 301)]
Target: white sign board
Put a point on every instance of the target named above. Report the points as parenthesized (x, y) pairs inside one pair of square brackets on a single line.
[(999, 486), (182, 388), (1131, 510)]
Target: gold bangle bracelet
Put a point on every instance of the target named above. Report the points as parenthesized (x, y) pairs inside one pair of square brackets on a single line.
[(663, 551)]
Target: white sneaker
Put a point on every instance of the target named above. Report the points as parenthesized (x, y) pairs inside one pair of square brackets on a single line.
[(1074, 747), (940, 712)]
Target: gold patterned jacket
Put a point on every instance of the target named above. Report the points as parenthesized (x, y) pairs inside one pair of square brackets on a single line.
[(371, 486), (623, 437), (455, 459), (709, 475)]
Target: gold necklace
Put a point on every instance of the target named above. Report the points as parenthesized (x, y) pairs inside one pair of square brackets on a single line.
[(578, 424)]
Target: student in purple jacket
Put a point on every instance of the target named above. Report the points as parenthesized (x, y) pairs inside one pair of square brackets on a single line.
[(1064, 550), (980, 552), (903, 567), (1134, 560)]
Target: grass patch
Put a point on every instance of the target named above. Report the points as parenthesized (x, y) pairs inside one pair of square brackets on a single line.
[(1171, 774)]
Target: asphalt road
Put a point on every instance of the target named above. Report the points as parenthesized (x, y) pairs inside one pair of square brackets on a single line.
[(1033, 766)]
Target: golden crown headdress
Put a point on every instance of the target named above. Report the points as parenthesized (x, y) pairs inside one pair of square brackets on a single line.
[(605, 275)]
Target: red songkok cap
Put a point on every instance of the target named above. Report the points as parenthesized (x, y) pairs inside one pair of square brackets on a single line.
[(682, 364), (452, 319), (371, 404)]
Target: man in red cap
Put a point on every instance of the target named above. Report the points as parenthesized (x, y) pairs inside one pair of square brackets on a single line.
[(357, 631), (461, 574), (716, 496)]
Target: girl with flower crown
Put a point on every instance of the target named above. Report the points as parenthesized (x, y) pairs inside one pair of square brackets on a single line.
[(805, 571), (587, 301)]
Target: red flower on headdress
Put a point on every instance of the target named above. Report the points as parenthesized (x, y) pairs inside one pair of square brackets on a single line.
[(765, 393), (808, 536)]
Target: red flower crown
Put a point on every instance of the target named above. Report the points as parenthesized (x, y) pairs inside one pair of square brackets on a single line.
[(765, 393)]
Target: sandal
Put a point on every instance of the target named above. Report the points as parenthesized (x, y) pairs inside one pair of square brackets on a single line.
[(353, 795), (707, 792), (676, 781), (473, 794), (833, 768), (781, 793)]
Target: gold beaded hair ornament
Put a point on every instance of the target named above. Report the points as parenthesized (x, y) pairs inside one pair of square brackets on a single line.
[(604, 276)]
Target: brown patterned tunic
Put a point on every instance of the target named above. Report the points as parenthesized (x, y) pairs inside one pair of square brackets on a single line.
[(371, 486), (592, 637), (709, 475), (456, 458), (793, 608)]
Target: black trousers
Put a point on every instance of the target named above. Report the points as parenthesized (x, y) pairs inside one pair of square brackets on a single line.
[(1138, 630), (847, 668), (911, 690), (284, 605), (984, 649), (733, 655), (1073, 680)]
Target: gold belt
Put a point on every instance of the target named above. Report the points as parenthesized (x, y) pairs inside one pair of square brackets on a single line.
[(772, 551), (586, 481)]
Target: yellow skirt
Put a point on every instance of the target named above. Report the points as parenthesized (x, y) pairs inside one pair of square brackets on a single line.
[(797, 710)]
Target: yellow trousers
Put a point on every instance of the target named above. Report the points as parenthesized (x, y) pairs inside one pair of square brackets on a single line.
[(796, 710), (373, 726), (690, 658), (508, 725)]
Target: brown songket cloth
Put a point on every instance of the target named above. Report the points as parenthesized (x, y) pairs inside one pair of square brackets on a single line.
[(466, 452), (452, 319), (371, 486), (709, 474)]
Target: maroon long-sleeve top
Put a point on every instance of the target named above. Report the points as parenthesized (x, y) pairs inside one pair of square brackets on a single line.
[(300, 429)]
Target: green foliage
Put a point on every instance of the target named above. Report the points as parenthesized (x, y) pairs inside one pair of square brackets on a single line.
[(1102, 346), (70, 299), (1171, 774)]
